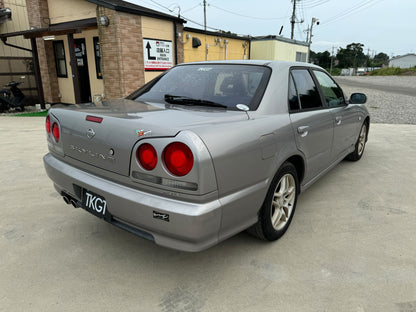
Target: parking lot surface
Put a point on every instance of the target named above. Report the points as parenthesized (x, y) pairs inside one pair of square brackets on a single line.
[(351, 245)]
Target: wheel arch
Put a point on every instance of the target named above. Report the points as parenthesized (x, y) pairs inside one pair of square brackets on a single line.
[(367, 121), (298, 162)]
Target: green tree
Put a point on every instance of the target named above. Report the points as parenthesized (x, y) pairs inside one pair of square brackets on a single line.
[(322, 59), (352, 56), (380, 59)]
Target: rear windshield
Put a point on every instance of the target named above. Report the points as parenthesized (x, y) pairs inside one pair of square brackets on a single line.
[(226, 85)]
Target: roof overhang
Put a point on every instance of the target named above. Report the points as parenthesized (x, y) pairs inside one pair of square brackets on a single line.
[(128, 7), (54, 29)]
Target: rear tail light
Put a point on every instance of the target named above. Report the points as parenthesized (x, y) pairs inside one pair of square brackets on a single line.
[(147, 156), (48, 124), (55, 131), (178, 158)]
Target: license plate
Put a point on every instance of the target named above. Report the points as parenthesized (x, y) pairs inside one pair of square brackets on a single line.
[(94, 203)]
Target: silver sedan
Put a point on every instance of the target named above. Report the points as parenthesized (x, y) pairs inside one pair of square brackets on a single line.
[(206, 150)]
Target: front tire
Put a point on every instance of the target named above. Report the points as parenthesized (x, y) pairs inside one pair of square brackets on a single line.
[(360, 144), (279, 206)]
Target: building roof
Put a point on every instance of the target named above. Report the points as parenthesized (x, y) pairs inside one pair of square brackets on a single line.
[(279, 38), (401, 56), (215, 33), (78, 25), (127, 7)]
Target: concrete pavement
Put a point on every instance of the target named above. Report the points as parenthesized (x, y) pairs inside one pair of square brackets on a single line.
[(351, 245)]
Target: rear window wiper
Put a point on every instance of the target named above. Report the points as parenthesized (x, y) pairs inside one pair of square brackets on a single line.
[(185, 100)]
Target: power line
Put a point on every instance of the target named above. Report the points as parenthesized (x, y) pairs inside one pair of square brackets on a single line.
[(194, 7), (161, 5), (355, 9), (314, 4), (246, 16), (155, 3)]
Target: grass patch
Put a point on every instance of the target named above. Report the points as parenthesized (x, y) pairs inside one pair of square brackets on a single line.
[(394, 71), (33, 114)]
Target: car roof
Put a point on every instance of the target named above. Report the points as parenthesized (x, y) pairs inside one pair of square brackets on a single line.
[(278, 64)]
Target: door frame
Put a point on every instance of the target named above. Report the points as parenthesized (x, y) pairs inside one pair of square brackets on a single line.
[(75, 71), (74, 67)]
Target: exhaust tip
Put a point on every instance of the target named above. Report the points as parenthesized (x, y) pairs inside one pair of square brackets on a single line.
[(74, 203), (66, 200)]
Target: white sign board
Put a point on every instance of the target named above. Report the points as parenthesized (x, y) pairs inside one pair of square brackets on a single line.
[(157, 54)]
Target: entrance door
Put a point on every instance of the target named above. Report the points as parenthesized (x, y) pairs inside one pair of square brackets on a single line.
[(83, 75)]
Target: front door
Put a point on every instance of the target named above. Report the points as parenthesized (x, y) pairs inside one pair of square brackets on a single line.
[(345, 118), (82, 65)]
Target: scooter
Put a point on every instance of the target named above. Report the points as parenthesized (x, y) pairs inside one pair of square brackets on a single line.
[(6, 99)]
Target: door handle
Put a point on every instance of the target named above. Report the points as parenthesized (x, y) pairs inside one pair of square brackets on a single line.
[(338, 120), (303, 131)]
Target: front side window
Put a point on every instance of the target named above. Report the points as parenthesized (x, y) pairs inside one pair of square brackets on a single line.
[(223, 85), (59, 50), (308, 94), (332, 93)]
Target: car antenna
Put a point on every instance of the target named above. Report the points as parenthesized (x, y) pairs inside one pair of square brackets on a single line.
[(244, 108)]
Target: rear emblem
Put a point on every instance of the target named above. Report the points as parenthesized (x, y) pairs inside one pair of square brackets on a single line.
[(90, 133), (143, 132), (160, 216)]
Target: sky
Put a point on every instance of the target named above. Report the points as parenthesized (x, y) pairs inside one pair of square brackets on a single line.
[(387, 26)]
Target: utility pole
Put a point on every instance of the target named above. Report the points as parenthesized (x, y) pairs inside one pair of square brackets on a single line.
[(307, 34), (332, 57), (293, 19), (205, 15), (314, 20)]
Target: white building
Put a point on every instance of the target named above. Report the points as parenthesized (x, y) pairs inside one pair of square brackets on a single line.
[(403, 61)]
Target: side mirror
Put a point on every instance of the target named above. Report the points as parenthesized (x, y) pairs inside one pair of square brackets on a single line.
[(358, 98)]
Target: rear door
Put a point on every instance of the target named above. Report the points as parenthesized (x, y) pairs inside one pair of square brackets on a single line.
[(312, 122)]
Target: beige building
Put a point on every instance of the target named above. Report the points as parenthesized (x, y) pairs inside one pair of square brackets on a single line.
[(16, 63), (89, 49), (278, 48), (200, 45), (86, 50)]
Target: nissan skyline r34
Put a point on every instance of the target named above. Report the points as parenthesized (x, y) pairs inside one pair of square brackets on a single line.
[(206, 150)]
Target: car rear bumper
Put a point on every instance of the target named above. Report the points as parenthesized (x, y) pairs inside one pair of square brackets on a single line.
[(191, 226)]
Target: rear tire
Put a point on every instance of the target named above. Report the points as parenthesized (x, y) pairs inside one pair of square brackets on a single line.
[(360, 144), (279, 206)]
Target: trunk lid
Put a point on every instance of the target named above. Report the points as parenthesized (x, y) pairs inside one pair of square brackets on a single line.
[(109, 144)]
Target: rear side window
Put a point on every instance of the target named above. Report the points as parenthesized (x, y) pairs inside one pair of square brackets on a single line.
[(332, 93), (293, 95), (307, 91)]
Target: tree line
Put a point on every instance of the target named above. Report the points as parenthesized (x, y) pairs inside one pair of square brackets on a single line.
[(352, 56)]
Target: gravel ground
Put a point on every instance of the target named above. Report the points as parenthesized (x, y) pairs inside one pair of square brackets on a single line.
[(387, 107), (398, 81)]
